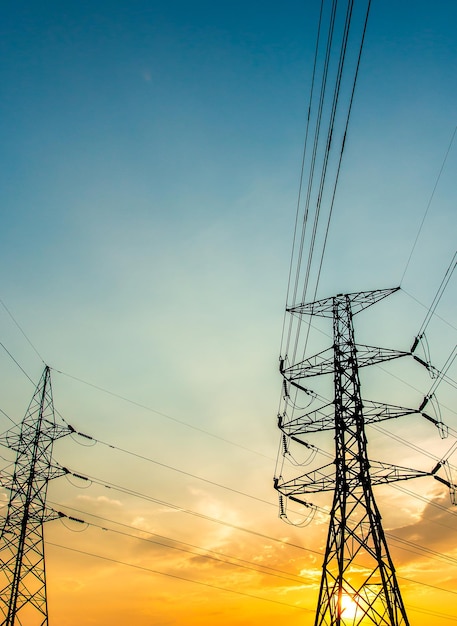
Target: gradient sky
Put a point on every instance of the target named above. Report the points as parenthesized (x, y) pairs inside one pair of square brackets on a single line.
[(150, 162)]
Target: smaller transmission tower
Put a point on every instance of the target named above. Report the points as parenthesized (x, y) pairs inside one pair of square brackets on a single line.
[(23, 575), (358, 584)]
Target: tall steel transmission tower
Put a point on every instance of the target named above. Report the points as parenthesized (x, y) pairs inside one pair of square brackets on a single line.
[(23, 575), (359, 584)]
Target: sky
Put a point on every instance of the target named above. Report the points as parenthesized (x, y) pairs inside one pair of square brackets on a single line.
[(150, 164)]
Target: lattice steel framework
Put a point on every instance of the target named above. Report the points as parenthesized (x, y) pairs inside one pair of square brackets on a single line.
[(358, 585), (23, 575)]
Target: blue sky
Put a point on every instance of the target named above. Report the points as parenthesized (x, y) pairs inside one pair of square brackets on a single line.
[(150, 166)]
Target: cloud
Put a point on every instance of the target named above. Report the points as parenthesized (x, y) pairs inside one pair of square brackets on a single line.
[(100, 501), (433, 535)]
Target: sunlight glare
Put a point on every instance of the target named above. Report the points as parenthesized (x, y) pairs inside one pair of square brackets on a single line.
[(349, 607)]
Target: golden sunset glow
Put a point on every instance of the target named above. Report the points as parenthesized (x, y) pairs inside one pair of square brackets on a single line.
[(349, 608)]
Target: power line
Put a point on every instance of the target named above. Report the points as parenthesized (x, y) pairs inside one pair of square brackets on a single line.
[(405, 442), (411, 580), (428, 205), (300, 187), (208, 554), (135, 403), (171, 467), (338, 169), (411, 386), (421, 550), (180, 471), (417, 609), (410, 295), (8, 417), (182, 509), (22, 331), (436, 300), (334, 60), (165, 415), (219, 588), (214, 483), (342, 149), (427, 501), (175, 576), (315, 146), (412, 547), (242, 493), (17, 363)]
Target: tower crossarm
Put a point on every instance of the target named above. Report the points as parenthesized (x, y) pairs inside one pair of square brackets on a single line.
[(43, 474), (323, 418), (321, 479), (19, 440), (56, 471), (323, 362), (320, 363), (369, 355), (382, 473), (359, 301), (380, 411)]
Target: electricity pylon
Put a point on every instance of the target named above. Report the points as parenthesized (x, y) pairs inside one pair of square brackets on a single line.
[(359, 584), (23, 576)]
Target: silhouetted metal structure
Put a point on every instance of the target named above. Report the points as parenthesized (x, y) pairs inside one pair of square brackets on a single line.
[(358, 585), (23, 573)]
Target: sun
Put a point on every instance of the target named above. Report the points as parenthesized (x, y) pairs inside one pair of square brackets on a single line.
[(349, 607)]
